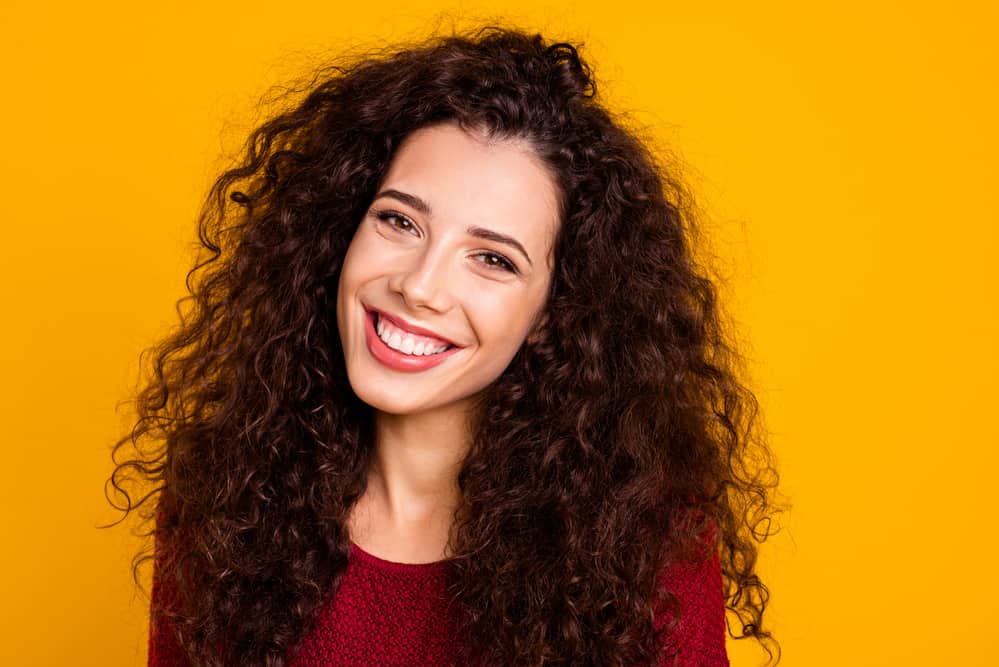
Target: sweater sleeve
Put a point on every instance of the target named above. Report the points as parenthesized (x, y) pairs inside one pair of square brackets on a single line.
[(698, 639), (164, 650)]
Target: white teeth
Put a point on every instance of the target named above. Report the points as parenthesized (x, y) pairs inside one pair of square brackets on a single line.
[(407, 345)]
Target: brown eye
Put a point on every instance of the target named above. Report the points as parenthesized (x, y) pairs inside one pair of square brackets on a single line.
[(396, 220), (495, 261)]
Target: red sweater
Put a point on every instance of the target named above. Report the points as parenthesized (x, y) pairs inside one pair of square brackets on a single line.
[(388, 613)]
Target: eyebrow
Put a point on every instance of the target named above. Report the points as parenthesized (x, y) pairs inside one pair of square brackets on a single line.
[(478, 232), (407, 199)]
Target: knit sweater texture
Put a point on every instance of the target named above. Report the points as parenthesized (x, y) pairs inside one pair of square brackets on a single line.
[(397, 615)]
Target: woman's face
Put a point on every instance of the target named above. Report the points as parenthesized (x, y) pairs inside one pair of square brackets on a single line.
[(448, 271)]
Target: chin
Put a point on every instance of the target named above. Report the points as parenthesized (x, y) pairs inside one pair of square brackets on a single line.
[(407, 402), (391, 405), (389, 402)]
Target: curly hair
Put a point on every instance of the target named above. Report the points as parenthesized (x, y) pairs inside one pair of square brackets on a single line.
[(620, 441)]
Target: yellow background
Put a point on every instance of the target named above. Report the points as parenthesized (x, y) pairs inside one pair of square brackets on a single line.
[(848, 159)]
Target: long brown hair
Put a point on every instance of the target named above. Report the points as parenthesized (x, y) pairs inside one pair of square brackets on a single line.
[(618, 442)]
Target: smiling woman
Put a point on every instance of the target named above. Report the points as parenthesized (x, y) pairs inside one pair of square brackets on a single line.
[(451, 389), (432, 272)]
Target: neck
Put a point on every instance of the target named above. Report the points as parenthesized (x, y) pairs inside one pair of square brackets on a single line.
[(408, 507), (417, 457)]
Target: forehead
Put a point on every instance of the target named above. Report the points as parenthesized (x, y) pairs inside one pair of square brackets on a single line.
[(469, 180)]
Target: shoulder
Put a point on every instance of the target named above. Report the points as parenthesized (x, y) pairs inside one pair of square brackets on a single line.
[(695, 624)]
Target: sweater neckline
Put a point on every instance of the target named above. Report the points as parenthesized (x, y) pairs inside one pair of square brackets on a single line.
[(395, 567)]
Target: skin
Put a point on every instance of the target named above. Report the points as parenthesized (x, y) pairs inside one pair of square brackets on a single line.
[(420, 254)]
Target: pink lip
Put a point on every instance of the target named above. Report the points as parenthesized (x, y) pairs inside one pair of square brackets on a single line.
[(394, 359)]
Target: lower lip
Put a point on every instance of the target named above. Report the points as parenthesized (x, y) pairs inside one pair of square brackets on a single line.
[(407, 363)]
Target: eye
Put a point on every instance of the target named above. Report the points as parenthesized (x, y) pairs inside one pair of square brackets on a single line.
[(396, 221), (496, 261)]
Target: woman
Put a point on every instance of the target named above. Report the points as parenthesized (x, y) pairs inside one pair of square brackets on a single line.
[(450, 388)]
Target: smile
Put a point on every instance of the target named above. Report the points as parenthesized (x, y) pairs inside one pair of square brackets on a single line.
[(408, 343), (404, 347)]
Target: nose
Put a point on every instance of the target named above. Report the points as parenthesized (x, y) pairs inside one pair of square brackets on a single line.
[(423, 283)]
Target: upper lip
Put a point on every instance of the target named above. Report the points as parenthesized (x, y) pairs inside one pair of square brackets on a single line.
[(412, 328)]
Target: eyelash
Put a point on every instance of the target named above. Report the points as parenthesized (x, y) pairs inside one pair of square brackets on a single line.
[(389, 216), (496, 260), (503, 264)]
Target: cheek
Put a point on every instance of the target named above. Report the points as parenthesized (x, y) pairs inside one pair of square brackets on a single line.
[(360, 254), (502, 323), (342, 290), (348, 282)]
